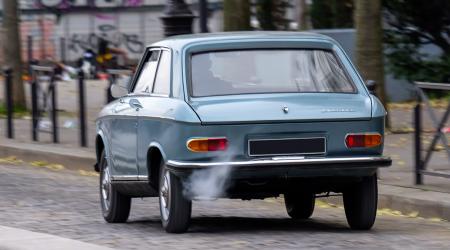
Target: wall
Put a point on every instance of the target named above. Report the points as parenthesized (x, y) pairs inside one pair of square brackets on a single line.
[(127, 24)]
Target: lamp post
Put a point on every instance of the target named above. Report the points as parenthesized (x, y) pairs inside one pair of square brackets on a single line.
[(177, 18)]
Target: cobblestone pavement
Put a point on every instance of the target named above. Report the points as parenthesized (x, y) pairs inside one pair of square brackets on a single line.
[(65, 203)]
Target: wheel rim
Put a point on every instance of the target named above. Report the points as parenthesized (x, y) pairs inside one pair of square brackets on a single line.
[(164, 195), (106, 188)]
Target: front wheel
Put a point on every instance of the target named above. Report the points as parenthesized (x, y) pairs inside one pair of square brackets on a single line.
[(360, 203), (174, 207), (115, 206)]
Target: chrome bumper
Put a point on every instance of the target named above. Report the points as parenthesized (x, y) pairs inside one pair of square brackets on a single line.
[(332, 162)]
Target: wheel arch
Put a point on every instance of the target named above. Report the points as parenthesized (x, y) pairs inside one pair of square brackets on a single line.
[(155, 154), (101, 144)]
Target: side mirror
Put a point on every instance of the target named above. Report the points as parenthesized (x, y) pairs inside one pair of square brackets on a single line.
[(120, 87), (371, 86)]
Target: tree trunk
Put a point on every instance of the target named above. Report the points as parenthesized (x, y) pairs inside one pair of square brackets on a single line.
[(369, 45), (303, 15), (236, 15), (12, 49)]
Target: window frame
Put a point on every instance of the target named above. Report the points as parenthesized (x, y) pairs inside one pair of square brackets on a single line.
[(332, 51), (141, 64), (170, 73)]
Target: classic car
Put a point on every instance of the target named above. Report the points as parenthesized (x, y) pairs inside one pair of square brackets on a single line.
[(246, 115)]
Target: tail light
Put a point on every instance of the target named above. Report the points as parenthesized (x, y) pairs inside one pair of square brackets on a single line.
[(363, 140), (207, 144)]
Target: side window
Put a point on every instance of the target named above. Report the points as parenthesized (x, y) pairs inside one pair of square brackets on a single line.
[(144, 83), (162, 81)]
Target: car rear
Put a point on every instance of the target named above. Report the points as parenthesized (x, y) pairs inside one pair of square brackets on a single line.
[(285, 117)]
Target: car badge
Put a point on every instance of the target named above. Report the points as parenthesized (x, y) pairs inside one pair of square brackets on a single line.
[(285, 109)]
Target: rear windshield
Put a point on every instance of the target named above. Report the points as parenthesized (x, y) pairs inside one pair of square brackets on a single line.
[(267, 71)]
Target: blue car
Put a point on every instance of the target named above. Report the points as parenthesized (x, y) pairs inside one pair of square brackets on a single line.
[(246, 115)]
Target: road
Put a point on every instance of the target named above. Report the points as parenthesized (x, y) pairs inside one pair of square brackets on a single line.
[(61, 202)]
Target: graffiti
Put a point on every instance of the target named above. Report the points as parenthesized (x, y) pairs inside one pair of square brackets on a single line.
[(78, 43), (67, 4)]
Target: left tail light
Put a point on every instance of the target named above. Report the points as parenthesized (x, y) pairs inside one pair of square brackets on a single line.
[(365, 140), (207, 144)]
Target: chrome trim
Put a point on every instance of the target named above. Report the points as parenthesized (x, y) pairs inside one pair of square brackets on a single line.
[(143, 177), (124, 178), (129, 177), (279, 161), (290, 138)]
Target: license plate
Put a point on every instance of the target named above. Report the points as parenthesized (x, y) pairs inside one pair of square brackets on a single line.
[(289, 146)]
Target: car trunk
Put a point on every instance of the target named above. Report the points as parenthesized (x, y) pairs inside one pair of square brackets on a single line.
[(269, 108)]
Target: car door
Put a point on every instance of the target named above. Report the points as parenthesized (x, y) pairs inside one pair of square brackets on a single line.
[(124, 137), (152, 124)]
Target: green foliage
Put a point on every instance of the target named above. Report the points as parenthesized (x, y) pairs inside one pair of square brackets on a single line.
[(411, 25), (236, 15), (271, 14), (18, 111), (328, 14)]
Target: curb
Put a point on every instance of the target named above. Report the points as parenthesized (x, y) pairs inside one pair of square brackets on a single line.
[(70, 158), (425, 204), (409, 202)]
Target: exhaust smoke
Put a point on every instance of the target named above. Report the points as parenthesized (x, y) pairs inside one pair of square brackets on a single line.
[(208, 183)]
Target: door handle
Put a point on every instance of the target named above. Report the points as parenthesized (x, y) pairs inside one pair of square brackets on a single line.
[(134, 103)]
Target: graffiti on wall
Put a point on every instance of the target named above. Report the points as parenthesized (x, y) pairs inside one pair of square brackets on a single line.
[(131, 42), (67, 4)]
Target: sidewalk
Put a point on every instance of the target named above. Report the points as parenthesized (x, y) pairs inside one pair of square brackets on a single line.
[(13, 239)]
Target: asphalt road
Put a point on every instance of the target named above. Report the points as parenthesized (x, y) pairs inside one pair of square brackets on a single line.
[(52, 200)]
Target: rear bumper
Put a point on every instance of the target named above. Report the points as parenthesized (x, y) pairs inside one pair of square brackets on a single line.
[(290, 166)]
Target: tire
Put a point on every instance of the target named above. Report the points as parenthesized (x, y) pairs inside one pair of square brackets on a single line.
[(175, 209), (115, 206), (300, 205), (360, 203)]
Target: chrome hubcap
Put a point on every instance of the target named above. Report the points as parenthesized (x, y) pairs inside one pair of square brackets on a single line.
[(106, 188), (164, 195)]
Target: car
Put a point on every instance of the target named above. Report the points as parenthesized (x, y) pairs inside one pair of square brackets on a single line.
[(246, 115)]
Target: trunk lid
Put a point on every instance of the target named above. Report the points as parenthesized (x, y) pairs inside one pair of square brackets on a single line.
[(268, 108)]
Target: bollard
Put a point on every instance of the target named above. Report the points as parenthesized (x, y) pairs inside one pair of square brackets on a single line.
[(62, 46), (34, 107), (112, 80), (54, 108), (418, 144), (82, 108), (203, 13), (30, 54), (9, 102)]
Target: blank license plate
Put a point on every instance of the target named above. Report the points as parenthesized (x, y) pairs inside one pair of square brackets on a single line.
[(294, 146)]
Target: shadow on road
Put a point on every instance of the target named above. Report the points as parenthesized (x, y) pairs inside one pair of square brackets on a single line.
[(215, 225)]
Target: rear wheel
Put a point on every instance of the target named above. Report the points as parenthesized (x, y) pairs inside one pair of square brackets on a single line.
[(174, 207), (115, 206), (360, 203), (299, 205)]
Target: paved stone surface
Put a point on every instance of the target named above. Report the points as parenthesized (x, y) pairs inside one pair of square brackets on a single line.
[(65, 203), (13, 239)]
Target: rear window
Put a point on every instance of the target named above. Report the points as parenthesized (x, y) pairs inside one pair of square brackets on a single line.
[(267, 71)]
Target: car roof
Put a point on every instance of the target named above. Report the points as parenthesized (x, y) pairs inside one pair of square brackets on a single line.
[(180, 41)]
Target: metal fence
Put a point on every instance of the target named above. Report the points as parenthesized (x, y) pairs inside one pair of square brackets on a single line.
[(421, 161), (43, 89)]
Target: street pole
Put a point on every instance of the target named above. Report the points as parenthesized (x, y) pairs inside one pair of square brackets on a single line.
[(9, 101), (203, 15), (177, 18), (82, 108)]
